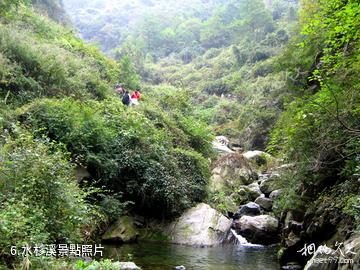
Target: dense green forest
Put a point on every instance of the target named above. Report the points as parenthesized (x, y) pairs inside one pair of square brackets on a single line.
[(213, 49), (279, 76)]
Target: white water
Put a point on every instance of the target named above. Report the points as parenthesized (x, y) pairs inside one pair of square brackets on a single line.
[(242, 240)]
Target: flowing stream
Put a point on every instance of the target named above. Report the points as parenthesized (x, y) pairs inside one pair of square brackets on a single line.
[(159, 256)]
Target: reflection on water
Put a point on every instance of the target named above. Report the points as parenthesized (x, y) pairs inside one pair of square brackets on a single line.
[(155, 256)]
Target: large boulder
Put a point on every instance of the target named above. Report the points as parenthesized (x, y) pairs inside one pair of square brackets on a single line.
[(270, 184), (265, 203), (275, 194), (255, 187), (248, 193), (125, 266), (221, 145), (250, 209), (261, 229), (230, 172), (122, 231), (199, 226), (230, 203), (259, 160), (254, 154), (217, 183)]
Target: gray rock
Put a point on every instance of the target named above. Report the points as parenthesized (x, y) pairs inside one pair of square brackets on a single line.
[(253, 154), (255, 187), (122, 231), (259, 160), (231, 171), (221, 145), (265, 203), (275, 194), (199, 226), (292, 240), (181, 267), (249, 193), (249, 209), (269, 185), (295, 226), (221, 148), (263, 176), (126, 266), (81, 173), (259, 229)]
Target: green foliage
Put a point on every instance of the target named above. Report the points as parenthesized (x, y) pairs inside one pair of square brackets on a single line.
[(353, 209), (59, 65), (112, 205), (40, 200), (96, 265), (128, 75), (337, 39), (320, 127), (126, 152), (6, 5), (62, 264)]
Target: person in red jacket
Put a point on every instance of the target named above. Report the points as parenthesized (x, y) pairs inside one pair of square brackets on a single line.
[(136, 95)]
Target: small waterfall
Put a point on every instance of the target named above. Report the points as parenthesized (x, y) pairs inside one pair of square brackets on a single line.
[(242, 241)]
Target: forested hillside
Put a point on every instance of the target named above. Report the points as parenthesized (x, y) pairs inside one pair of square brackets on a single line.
[(59, 115), (278, 76), (221, 51)]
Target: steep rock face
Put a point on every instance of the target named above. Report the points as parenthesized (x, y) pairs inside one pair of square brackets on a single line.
[(199, 226), (321, 221), (261, 229), (230, 172)]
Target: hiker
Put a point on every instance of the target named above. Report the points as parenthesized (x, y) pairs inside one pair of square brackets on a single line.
[(119, 89), (126, 100), (135, 97)]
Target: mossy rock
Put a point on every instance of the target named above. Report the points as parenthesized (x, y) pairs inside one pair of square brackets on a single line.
[(260, 161), (271, 184), (199, 226), (230, 172), (122, 231)]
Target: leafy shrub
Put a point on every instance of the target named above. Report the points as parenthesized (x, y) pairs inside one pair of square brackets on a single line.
[(217, 88), (125, 151), (353, 209), (59, 65), (320, 127), (40, 201)]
